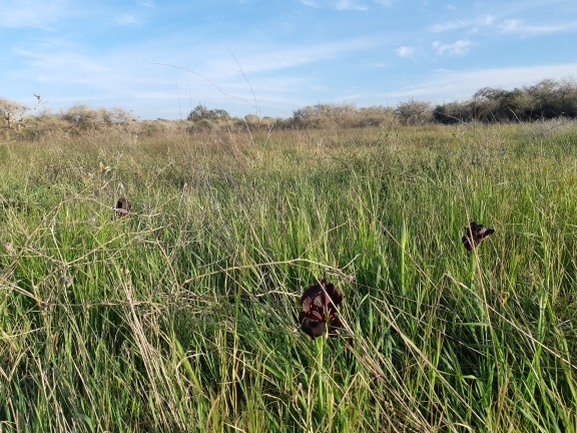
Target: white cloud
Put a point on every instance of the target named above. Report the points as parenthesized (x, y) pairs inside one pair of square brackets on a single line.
[(78, 65), (519, 27), (450, 25), (339, 4), (460, 47), (255, 59), (218, 77), (485, 20), (405, 51), (453, 85)]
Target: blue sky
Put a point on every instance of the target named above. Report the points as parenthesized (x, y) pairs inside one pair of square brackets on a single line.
[(271, 57)]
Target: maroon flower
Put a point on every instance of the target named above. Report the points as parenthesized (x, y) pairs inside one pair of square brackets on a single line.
[(122, 207), (319, 304), (474, 234)]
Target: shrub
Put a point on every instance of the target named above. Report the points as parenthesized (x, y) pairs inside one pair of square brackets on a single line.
[(11, 116), (339, 115), (202, 114), (82, 117), (414, 112)]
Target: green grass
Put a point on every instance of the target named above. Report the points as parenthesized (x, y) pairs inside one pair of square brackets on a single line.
[(182, 317)]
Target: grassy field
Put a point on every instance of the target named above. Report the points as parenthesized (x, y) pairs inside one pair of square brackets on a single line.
[(182, 316)]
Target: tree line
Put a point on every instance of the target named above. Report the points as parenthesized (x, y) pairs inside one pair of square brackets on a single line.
[(546, 99)]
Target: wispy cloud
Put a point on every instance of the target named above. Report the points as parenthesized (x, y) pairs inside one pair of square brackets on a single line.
[(519, 27), (405, 51), (339, 4), (127, 19), (453, 85), (485, 20), (61, 61), (32, 13), (256, 59), (76, 63), (292, 55), (459, 48)]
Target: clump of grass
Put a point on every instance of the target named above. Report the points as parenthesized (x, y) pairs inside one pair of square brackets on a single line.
[(183, 317)]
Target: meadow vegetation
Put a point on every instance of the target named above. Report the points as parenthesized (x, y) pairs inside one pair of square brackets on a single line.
[(183, 315)]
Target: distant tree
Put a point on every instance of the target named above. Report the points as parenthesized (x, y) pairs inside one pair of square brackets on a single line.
[(452, 112), (517, 105), (568, 96), (376, 115), (324, 116), (547, 102), (546, 99), (11, 115), (340, 116), (305, 117), (414, 112), (202, 113), (83, 117), (489, 93)]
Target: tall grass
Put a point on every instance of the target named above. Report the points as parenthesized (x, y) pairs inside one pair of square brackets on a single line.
[(181, 317)]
